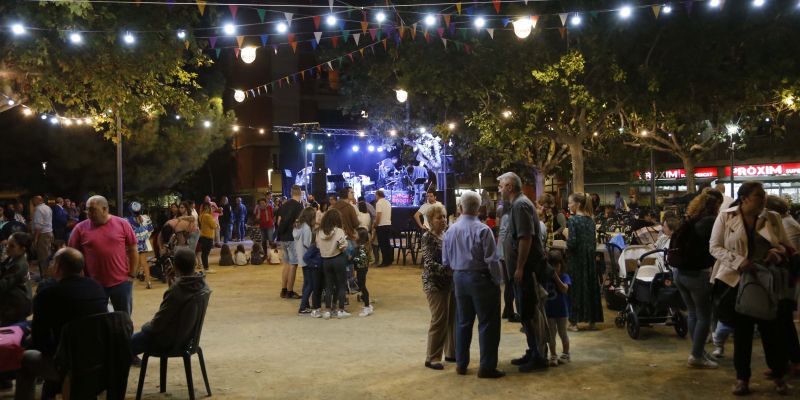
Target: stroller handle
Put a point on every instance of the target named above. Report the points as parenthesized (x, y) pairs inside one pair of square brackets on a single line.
[(651, 252)]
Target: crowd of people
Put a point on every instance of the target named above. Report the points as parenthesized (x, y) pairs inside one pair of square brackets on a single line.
[(719, 250)]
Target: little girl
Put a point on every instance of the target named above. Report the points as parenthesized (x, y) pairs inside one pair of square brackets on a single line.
[(557, 308), (332, 241), (256, 254), (240, 257), (361, 261)]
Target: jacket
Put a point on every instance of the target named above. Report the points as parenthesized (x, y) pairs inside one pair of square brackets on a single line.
[(728, 242), (15, 291), (331, 245), (312, 257), (173, 321)]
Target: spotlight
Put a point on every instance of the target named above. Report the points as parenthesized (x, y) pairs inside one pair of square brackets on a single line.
[(319, 147), (229, 29), (430, 20), (330, 20), (370, 148), (393, 132), (181, 34), (480, 22), (309, 146), (355, 148), (625, 12), (282, 27), (380, 17), (75, 38), (18, 29)]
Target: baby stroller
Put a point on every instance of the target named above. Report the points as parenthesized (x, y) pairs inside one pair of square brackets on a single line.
[(161, 267), (652, 299)]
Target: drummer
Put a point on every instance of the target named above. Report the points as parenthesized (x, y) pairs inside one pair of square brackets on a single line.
[(385, 168)]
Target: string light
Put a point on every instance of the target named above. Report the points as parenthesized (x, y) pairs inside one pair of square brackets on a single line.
[(238, 95), (380, 17), (789, 100), (75, 38), (758, 3), (393, 132), (361, 133), (355, 148), (309, 146), (714, 3), (319, 147), (229, 29), (11, 102), (53, 120), (248, 55), (430, 20), (625, 12), (207, 124), (18, 29), (236, 128), (261, 131), (644, 132), (43, 117), (451, 126), (282, 28), (27, 112), (523, 27), (507, 114), (666, 9), (370, 148), (129, 38), (178, 117), (401, 95), (480, 22), (181, 34), (575, 20), (331, 20)]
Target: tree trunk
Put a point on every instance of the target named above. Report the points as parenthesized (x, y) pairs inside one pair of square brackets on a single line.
[(539, 177), (688, 167), (576, 154)]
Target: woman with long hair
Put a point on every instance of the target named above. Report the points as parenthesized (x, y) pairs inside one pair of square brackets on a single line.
[(303, 234), (745, 238), (437, 283), (332, 241), (208, 227), (692, 278), (586, 306)]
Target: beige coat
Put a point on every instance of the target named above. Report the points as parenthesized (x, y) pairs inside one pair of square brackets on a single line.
[(729, 241)]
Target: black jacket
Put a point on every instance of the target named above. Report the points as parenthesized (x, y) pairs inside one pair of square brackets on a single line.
[(15, 291), (697, 238), (173, 322)]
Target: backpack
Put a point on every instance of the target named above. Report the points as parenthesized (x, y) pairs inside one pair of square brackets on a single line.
[(679, 251)]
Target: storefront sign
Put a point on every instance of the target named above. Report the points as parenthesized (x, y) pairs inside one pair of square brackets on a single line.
[(765, 170), (710, 172)]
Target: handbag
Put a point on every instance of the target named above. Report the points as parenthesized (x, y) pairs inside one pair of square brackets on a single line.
[(10, 348), (756, 296)]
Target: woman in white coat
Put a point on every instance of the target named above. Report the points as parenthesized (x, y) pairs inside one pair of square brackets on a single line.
[(745, 235)]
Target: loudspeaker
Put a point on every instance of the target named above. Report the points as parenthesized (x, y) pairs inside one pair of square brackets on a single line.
[(318, 162), (319, 186)]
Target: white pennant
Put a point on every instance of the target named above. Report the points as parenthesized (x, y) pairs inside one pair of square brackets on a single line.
[(288, 18), (356, 37), (563, 17), (318, 36), (491, 32), (445, 42), (330, 4), (330, 65)]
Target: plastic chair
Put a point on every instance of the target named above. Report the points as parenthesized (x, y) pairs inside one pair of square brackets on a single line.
[(184, 349)]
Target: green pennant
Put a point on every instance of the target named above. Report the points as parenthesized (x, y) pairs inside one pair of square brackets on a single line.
[(464, 34), (379, 35), (345, 35), (218, 51), (262, 14), (341, 61)]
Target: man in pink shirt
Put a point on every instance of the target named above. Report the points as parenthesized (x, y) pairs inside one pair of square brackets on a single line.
[(109, 247)]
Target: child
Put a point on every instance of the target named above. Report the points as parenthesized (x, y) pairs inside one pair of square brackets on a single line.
[(332, 241), (256, 254), (240, 257), (302, 234), (557, 308), (361, 260), (273, 255), (225, 256)]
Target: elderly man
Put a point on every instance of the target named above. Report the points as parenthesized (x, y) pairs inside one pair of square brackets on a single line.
[(42, 224), (524, 254), (73, 297), (110, 248), (469, 250)]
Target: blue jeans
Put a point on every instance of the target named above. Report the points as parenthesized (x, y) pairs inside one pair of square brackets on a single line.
[(227, 231), (239, 227), (308, 287), (476, 294), (121, 296), (139, 342), (696, 291)]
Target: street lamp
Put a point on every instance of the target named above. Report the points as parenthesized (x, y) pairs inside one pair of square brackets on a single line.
[(401, 95)]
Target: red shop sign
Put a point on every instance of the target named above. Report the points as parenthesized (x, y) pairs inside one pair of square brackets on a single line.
[(709, 172), (764, 170)]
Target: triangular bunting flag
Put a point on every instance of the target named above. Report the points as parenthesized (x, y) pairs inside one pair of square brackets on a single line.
[(303, 75), (186, 44), (656, 10), (506, 21), (444, 41), (290, 37), (288, 18), (372, 48), (384, 44), (262, 14), (330, 4), (202, 6), (236, 52), (233, 9), (364, 26), (345, 35), (458, 8), (318, 36), (594, 13), (319, 69), (362, 52), (563, 32), (534, 20), (294, 46), (314, 44), (264, 40), (414, 31), (170, 3), (491, 32), (218, 51), (356, 37), (379, 34), (401, 30), (452, 29), (496, 5), (335, 41), (440, 31), (240, 40), (427, 37), (275, 48), (563, 17), (373, 32), (330, 66), (351, 56), (447, 20), (212, 41), (317, 18)]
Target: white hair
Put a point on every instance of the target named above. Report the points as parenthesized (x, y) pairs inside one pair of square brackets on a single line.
[(515, 180), (98, 200), (470, 202)]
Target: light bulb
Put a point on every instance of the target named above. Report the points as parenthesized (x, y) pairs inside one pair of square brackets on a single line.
[(87, 120), (207, 124), (401, 95), (43, 117), (758, 3), (667, 9), (451, 126), (68, 122), (229, 29), (129, 38), (236, 128), (319, 147), (27, 112), (393, 132), (53, 120), (575, 20), (238, 95), (361, 133), (11, 102), (370, 148), (380, 149), (261, 131), (625, 12), (355, 148), (430, 20), (480, 22), (181, 34), (75, 38), (178, 117), (248, 54), (18, 29), (714, 3), (380, 17), (309, 146), (282, 27), (523, 27), (330, 20)]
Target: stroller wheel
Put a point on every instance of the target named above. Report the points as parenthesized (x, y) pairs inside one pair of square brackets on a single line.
[(681, 325), (633, 325)]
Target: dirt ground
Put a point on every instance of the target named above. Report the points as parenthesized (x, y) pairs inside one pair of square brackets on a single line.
[(256, 347)]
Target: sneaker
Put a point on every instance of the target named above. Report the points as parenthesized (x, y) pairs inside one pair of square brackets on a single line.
[(366, 311), (719, 352), (553, 361), (210, 271), (534, 365), (326, 315), (701, 362), (563, 358), (573, 328), (342, 314), (283, 293), (293, 295), (304, 312), (316, 314)]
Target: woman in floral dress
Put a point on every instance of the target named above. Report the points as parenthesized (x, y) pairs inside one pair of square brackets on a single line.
[(581, 247)]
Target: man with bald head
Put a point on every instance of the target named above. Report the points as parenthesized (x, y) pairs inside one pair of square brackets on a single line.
[(73, 297), (110, 248), (42, 227)]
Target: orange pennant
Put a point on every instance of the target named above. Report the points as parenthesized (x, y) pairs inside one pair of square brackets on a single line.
[(364, 26), (240, 40), (402, 30), (496, 5), (294, 47), (414, 32), (447, 20), (656, 10), (384, 44), (563, 32)]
